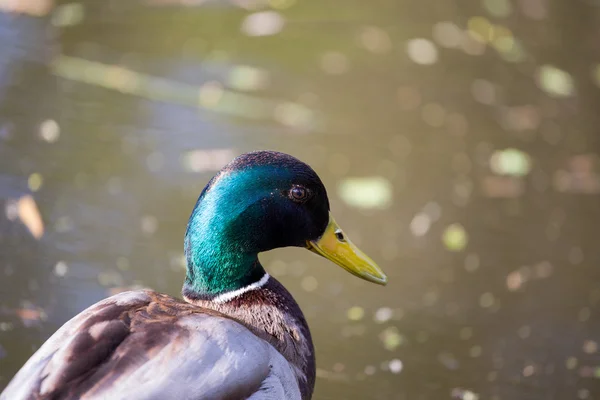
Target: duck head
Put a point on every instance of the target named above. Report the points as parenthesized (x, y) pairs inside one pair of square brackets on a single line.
[(258, 202)]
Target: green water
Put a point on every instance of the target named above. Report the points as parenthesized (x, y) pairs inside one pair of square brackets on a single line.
[(466, 166)]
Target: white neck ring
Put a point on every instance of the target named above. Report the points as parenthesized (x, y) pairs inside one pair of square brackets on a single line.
[(228, 296)]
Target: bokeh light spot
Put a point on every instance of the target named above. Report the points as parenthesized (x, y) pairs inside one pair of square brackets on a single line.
[(420, 224), (434, 114), (281, 4), (264, 23), (35, 181), (483, 91), (596, 74), (334, 63), (383, 314), (375, 40), (244, 77), (475, 351), (61, 268), (309, 283), (498, 8), (480, 29), (210, 94), (149, 224), (510, 162), (409, 98), (555, 81), (487, 300), (466, 333), (472, 46), (49, 131), (391, 338), (355, 313), (206, 159), (447, 34), (514, 280), (368, 192), (395, 366), (68, 14), (455, 237), (510, 49), (590, 346), (472, 262), (422, 51)]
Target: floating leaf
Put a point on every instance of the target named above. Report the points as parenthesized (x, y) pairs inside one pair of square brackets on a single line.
[(30, 216)]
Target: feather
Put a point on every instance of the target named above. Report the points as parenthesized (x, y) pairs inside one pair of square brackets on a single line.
[(147, 345)]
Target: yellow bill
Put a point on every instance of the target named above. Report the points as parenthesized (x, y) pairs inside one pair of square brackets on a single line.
[(335, 246)]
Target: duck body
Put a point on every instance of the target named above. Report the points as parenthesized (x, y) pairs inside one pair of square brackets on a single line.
[(146, 345), (237, 333)]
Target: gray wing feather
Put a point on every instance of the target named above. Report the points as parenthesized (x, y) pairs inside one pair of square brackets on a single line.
[(37, 369), (103, 355), (222, 360)]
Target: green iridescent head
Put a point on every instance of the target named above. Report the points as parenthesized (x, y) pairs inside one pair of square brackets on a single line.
[(258, 202)]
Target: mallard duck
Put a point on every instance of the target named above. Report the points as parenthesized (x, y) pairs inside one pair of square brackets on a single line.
[(237, 333)]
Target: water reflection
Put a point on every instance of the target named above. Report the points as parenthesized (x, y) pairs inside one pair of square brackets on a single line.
[(442, 158)]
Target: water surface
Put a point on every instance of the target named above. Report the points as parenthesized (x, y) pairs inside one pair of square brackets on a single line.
[(112, 124)]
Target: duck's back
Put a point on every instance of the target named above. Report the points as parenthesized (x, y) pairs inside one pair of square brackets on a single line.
[(144, 345)]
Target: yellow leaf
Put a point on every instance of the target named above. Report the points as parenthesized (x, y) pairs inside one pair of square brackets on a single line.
[(30, 216)]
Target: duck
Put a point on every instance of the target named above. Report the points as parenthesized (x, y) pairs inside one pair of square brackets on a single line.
[(236, 333)]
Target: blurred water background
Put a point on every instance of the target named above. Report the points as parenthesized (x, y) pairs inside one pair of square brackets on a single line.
[(458, 140)]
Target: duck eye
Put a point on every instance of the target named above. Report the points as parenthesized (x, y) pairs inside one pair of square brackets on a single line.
[(298, 193)]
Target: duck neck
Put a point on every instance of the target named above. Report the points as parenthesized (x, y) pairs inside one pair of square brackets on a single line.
[(221, 261), (219, 280)]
